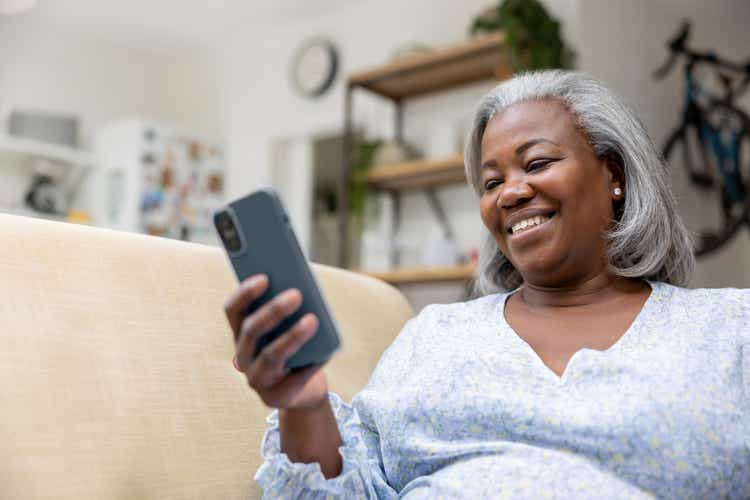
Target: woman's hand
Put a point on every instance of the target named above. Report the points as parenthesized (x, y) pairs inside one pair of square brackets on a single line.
[(308, 428), (266, 374)]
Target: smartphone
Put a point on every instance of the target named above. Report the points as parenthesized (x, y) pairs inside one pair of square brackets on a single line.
[(259, 239)]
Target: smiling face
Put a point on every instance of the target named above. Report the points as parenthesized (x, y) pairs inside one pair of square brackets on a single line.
[(547, 199)]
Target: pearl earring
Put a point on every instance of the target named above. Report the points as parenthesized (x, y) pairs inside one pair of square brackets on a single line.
[(617, 191)]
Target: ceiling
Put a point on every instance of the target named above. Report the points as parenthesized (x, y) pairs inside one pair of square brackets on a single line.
[(171, 24)]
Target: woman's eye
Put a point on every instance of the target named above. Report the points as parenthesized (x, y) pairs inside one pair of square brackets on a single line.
[(492, 184), (536, 165)]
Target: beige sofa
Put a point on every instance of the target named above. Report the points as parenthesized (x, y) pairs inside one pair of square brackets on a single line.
[(116, 380)]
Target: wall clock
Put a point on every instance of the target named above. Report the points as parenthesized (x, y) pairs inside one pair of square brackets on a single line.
[(314, 67)]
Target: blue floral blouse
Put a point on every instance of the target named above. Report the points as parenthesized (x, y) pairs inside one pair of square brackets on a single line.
[(460, 406)]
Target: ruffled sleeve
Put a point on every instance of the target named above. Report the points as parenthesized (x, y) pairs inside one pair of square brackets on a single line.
[(361, 476)]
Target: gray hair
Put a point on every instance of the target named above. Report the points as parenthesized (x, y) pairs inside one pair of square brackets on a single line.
[(649, 239)]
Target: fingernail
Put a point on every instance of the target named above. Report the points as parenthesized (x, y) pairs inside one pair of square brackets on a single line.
[(310, 325), (252, 281), (289, 296), (311, 321), (236, 365)]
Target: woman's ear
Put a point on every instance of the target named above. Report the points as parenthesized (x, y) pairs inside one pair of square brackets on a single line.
[(617, 175)]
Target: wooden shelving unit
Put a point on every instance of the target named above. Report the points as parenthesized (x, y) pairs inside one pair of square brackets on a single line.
[(481, 58), (403, 276), (418, 174), (440, 69)]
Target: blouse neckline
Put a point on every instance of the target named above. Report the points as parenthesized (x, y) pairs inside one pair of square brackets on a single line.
[(631, 334)]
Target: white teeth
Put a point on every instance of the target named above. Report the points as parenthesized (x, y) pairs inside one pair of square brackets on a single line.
[(530, 222)]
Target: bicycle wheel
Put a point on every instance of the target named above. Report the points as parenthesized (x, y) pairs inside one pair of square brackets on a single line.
[(710, 172)]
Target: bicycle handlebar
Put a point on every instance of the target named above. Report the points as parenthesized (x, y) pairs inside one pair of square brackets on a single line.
[(677, 45), (678, 41)]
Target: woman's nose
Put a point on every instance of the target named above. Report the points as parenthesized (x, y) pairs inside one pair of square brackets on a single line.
[(515, 192)]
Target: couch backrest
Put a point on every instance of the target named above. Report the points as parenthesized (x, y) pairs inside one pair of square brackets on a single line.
[(116, 378)]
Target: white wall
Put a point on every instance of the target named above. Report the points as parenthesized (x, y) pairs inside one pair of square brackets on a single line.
[(194, 92), (41, 69)]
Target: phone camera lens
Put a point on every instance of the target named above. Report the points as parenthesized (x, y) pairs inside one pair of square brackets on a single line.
[(228, 231)]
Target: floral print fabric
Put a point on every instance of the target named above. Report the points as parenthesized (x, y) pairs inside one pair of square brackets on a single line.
[(460, 406)]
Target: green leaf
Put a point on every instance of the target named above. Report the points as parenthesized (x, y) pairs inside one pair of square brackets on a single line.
[(531, 35)]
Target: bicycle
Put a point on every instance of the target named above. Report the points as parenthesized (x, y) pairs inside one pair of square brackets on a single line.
[(714, 138)]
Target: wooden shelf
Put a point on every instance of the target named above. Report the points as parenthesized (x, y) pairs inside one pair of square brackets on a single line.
[(412, 275), (478, 59), (418, 174)]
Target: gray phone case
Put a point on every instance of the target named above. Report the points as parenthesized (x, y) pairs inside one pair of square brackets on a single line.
[(269, 246)]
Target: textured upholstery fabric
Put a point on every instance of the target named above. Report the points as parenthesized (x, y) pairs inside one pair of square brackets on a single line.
[(116, 380)]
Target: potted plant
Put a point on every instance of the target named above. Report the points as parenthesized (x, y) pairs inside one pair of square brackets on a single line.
[(532, 36)]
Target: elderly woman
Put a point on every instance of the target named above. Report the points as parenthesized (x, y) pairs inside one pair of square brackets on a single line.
[(585, 369)]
